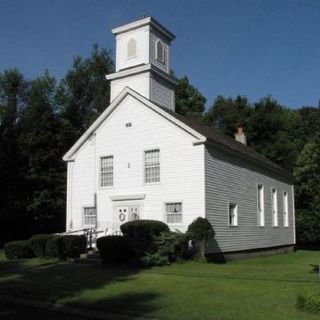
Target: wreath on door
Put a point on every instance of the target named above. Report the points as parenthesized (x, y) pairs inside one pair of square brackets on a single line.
[(122, 216)]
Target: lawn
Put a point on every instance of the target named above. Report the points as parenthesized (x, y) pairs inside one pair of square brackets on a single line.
[(261, 288)]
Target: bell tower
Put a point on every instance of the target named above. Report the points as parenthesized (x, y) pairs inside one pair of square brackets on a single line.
[(143, 62)]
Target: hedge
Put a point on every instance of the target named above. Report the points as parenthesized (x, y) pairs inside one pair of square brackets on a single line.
[(68, 246), (115, 249), (143, 229), (38, 244), (18, 250)]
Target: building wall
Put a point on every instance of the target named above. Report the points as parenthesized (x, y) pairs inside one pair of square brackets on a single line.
[(139, 82), (230, 179), (162, 92), (181, 167), (141, 36)]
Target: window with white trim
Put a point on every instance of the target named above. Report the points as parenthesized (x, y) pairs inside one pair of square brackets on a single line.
[(89, 216), (174, 213), (131, 48), (274, 200), (233, 214), (260, 205), (106, 171), (152, 166), (285, 209), (160, 51)]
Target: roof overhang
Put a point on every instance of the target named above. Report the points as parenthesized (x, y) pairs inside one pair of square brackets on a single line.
[(144, 22), (141, 69)]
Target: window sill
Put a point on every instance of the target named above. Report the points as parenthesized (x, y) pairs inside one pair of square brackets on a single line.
[(151, 183), (103, 188)]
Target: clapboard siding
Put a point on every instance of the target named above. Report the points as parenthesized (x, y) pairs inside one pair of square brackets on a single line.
[(230, 179), (162, 92), (181, 169)]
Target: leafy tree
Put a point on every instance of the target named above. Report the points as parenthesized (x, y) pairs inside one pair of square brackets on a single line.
[(189, 101), (307, 174), (83, 94), (275, 131), (13, 96), (42, 149), (228, 114)]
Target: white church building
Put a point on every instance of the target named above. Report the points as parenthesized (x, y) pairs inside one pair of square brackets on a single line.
[(141, 160)]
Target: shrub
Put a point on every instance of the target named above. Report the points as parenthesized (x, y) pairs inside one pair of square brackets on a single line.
[(38, 244), (68, 246), (201, 232), (143, 229), (53, 247), (72, 246), (168, 247), (18, 250), (115, 249), (141, 233), (309, 302)]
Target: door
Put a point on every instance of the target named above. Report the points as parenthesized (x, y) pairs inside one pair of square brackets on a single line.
[(125, 213)]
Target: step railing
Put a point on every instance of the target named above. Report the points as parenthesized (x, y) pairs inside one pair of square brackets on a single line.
[(91, 235)]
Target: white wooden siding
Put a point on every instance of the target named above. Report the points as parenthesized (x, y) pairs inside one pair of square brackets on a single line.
[(230, 179), (162, 92), (181, 167), (139, 83), (141, 36)]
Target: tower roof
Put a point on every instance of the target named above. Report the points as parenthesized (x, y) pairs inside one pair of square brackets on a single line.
[(143, 22)]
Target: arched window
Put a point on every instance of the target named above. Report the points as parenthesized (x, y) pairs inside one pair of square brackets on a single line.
[(160, 51), (131, 48)]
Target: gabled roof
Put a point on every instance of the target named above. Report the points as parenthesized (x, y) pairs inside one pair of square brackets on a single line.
[(201, 133), (227, 143), (69, 156)]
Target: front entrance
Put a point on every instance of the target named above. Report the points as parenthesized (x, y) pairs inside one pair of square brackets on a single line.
[(125, 213)]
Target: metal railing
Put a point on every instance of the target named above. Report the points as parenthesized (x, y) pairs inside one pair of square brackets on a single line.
[(91, 235)]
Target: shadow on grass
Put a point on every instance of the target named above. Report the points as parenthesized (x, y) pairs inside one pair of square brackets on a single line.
[(68, 281)]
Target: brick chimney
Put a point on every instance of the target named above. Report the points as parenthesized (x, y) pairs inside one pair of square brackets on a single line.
[(241, 136)]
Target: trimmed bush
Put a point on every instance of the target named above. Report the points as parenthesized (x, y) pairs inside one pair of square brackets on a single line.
[(309, 302), (115, 249), (53, 247), (38, 244), (73, 245), (68, 246), (143, 229), (18, 250), (201, 232)]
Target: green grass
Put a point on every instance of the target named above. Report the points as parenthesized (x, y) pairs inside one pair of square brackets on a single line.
[(261, 288)]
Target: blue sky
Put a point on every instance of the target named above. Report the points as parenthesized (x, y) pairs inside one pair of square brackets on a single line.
[(248, 47)]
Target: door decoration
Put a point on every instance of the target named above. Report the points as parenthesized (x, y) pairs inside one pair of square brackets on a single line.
[(122, 216)]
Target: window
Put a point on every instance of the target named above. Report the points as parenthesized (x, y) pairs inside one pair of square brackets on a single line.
[(106, 171), (160, 51), (131, 48), (233, 214), (260, 205), (152, 166), (285, 209), (89, 216), (274, 199), (174, 213)]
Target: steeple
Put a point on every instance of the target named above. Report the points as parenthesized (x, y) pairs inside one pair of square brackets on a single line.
[(143, 61)]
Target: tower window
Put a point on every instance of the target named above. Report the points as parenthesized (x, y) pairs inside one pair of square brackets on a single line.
[(160, 51), (132, 48)]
